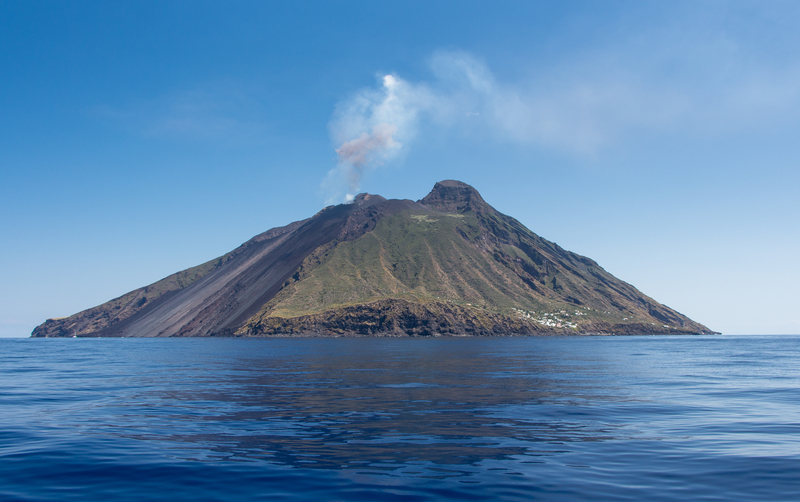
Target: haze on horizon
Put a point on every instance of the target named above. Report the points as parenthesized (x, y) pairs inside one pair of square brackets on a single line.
[(659, 139)]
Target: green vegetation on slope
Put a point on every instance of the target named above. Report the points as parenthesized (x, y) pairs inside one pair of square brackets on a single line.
[(418, 257), (483, 264)]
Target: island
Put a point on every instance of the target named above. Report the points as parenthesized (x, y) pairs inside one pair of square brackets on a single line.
[(448, 264)]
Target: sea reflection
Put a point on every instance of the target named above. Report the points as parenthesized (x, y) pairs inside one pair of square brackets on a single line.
[(641, 418), (404, 406)]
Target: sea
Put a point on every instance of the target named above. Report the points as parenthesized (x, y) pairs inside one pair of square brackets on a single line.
[(401, 419)]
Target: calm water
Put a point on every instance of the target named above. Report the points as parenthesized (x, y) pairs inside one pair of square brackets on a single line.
[(657, 418)]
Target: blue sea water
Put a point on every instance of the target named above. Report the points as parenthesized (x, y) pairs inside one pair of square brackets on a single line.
[(546, 418)]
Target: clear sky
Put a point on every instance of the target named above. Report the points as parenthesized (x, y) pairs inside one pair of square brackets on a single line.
[(661, 139)]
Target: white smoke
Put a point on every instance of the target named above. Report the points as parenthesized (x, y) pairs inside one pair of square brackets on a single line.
[(371, 128), (578, 108)]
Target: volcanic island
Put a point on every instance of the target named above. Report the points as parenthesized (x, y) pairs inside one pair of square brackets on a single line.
[(446, 265)]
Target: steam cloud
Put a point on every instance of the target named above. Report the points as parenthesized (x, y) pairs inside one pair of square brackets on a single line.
[(373, 126), (578, 109), (369, 128)]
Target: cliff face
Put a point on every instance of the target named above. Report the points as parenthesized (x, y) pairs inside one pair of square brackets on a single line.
[(449, 264)]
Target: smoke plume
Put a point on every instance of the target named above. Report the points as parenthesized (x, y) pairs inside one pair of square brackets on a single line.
[(578, 108), (371, 128)]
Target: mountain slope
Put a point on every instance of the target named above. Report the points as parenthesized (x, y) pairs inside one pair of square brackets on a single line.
[(447, 264)]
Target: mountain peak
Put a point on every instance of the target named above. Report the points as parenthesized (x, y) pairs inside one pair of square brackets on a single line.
[(363, 200), (453, 183), (454, 196), (448, 264)]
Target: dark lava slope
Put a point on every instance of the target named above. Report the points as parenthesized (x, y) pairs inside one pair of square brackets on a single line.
[(221, 297), (447, 264)]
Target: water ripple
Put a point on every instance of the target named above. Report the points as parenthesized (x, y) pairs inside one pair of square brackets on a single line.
[(661, 418)]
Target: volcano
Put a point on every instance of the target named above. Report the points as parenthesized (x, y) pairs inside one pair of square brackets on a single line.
[(448, 264)]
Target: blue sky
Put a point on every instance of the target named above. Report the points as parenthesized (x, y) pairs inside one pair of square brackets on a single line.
[(658, 138)]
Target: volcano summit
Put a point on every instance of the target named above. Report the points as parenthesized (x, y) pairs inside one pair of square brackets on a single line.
[(448, 264)]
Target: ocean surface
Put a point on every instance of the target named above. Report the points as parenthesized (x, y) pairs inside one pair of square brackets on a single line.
[(549, 418)]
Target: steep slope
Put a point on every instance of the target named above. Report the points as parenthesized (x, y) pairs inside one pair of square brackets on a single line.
[(220, 295), (455, 257), (447, 264)]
